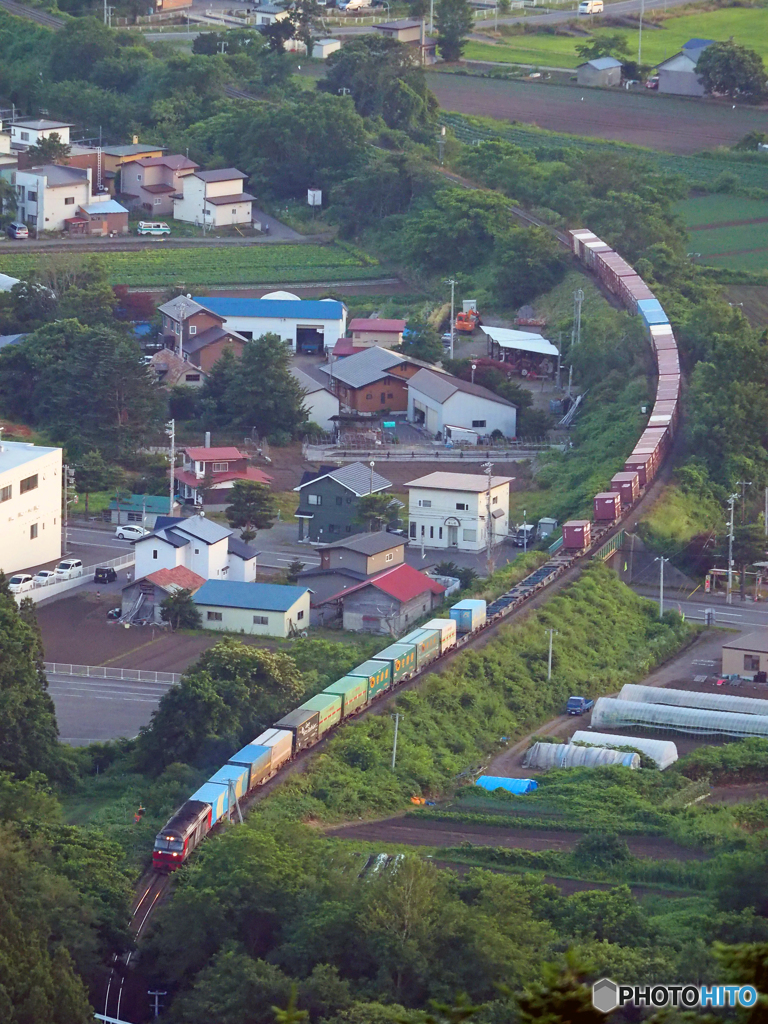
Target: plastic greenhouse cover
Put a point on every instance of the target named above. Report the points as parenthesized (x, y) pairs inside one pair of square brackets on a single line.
[(663, 752), (693, 699), (491, 782), (566, 755), (624, 714)]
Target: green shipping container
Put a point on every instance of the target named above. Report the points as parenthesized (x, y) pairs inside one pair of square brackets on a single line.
[(402, 658), (427, 643), (378, 674), (353, 692), (328, 706)]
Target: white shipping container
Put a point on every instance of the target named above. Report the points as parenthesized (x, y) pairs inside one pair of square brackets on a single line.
[(447, 629), (281, 742)]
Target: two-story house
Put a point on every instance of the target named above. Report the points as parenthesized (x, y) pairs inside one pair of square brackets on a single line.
[(30, 133), (209, 473), (450, 510), (214, 198), (349, 561), (373, 330), (149, 184), (196, 333), (372, 381), (48, 196), (30, 505), (328, 501), (208, 549)]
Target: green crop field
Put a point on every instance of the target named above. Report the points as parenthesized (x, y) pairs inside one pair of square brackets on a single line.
[(721, 242), (719, 209), (219, 265)]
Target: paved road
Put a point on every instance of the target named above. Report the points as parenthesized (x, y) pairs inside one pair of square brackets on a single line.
[(744, 615), (94, 710)]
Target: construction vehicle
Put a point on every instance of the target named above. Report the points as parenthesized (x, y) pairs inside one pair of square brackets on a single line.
[(469, 318)]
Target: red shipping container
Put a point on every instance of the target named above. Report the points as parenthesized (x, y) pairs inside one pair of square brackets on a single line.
[(667, 390), (632, 289), (578, 234), (611, 268), (628, 486), (668, 362), (642, 464), (577, 534), (663, 339), (607, 506)]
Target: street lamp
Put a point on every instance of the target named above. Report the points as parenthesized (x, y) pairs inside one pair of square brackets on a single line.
[(474, 367), (372, 464)]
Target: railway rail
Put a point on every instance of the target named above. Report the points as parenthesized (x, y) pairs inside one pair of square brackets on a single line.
[(31, 14)]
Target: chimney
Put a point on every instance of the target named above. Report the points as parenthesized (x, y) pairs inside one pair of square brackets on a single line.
[(207, 439), (135, 140)]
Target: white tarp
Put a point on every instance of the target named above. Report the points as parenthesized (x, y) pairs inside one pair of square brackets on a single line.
[(523, 341)]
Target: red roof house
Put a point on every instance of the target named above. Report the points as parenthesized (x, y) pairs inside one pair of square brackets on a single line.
[(142, 599), (213, 471), (387, 603)]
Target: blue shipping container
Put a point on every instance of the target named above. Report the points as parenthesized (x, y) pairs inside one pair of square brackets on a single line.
[(469, 614), (491, 782), (257, 759), (217, 796), (651, 312), (235, 774)]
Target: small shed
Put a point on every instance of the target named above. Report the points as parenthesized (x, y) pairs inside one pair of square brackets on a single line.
[(747, 655), (602, 71), (322, 48), (104, 218), (141, 509), (268, 609)]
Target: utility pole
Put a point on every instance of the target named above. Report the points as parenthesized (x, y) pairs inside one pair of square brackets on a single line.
[(488, 469), (578, 299), (765, 513), (525, 532), (744, 484), (452, 283), (170, 429), (441, 145), (157, 1000), (396, 717), (431, 16), (728, 596), (372, 464), (640, 34), (69, 482), (661, 562), (551, 632)]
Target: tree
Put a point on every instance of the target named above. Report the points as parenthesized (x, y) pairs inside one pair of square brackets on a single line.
[(303, 18), (612, 44), (253, 508), (291, 1014), (374, 509), (293, 570), (528, 263), (7, 202), (562, 997), (278, 34), (454, 22), (180, 610), (731, 69), (93, 474), (79, 46), (50, 150), (422, 341)]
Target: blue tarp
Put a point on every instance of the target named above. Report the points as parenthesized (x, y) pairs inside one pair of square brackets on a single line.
[(491, 782)]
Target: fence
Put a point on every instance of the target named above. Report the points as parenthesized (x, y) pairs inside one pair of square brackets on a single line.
[(53, 590), (132, 675), (427, 453)]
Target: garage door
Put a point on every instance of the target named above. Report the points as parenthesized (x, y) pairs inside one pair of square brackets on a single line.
[(433, 422)]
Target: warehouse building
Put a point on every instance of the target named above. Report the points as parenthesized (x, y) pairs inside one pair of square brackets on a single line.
[(266, 609), (747, 655), (439, 401)]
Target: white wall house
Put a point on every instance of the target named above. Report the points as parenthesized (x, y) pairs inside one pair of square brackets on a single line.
[(438, 400), (321, 403), (307, 325), (450, 510), (677, 74), (215, 198), (210, 550), (266, 609), (48, 196), (29, 133), (30, 505)]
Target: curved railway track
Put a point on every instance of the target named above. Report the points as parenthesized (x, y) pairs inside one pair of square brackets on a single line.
[(31, 14)]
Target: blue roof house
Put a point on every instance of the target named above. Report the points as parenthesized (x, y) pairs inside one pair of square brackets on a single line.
[(266, 609)]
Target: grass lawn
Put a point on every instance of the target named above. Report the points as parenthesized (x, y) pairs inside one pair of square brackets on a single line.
[(256, 264), (719, 209), (677, 517)]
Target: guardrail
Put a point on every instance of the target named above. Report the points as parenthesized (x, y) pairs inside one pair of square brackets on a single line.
[(47, 592), (425, 453), (131, 675)]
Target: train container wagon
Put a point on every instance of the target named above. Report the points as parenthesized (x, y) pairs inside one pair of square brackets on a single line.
[(632, 289), (181, 834), (643, 465), (578, 235), (447, 629), (303, 724), (257, 759), (668, 387), (328, 708), (235, 774), (611, 268), (662, 337), (469, 614), (651, 313), (427, 644), (353, 691), (217, 796), (401, 658), (281, 743), (577, 534), (378, 674), (668, 363), (628, 486), (607, 506)]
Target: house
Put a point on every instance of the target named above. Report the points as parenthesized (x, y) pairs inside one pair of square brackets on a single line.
[(214, 198), (412, 33), (183, 319), (268, 14), (747, 655), (348, 562), (322, 48), (319, 401), (308, 325), (205, 348), (150, 183), (205, 547), (602, 71), (173, 370), (372, 381), (47, 196), (30, 505), (142, 599), (386, 603), (525, 351), (140, 508), (367, 331), (210, 473), (100, 218), (30, 133), (328, 500), (439, 401), (450, 510), (266, 609), (110, 161), (678, 75), (9, 159)]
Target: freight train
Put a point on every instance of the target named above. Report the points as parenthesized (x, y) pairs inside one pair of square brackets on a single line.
[(218, 799)]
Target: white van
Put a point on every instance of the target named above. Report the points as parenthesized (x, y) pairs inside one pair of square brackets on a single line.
[(69, 569), (159, 227), (591, 7), (353, 5)]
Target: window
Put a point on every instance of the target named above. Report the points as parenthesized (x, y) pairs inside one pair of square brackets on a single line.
[(462, 506), (383, 398), (192, 329), (177, 329), (314, 499), (332, 528), (190, 377), (440, 533), (478, 423), (158, 202), (389, 556), (28, 484), (390, 395), (426, 503), (339, 501), (261, 620), (69, 201), (348, 529), (234, 212), (33, 531), (751, 662), (431, 532), (154, 553), (214, 616), (138, 177), (495, 501), (470, 534), (197, 551), (25, 136), (369, 395), (219, 467), (134, 517), (422, 531), (300, 615), (31, 196), (412, 530), (6, 493)]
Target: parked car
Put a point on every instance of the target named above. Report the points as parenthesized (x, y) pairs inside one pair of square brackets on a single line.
[(525, 536), (579, 705), (653, 82), (591, 7), (69, 569), (353, 5), (44, 577), (104, 574), (17, 230), (153, 227), (20, 582), (130, 532)]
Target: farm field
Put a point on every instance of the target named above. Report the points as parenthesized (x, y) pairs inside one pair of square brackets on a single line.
[(704, 211), (639, 118), (222, 265), (728, 231), (753, 300)]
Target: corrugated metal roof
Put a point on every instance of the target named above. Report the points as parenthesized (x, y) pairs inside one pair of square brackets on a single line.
[(153, 503), (403, 583), (225, 174), (108, 206), (441, 386), (308, 384), (523, 341), (296, 309), (358, 478), (363, 368), (238, 547), (180, 307), (757, 642), (179, 576), (215, 454), (374, 323), (268, 597), (604, 63), (458, 481), (367, 543)]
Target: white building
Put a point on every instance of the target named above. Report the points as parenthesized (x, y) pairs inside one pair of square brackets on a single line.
[(268, 14), (677, 74), (48, 196), (197, 543), (323, 48), (321, 403), (268, 609), (29, 133), (450, 510), (215, 198), (30, 505), (438, 401), (308, 325)]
